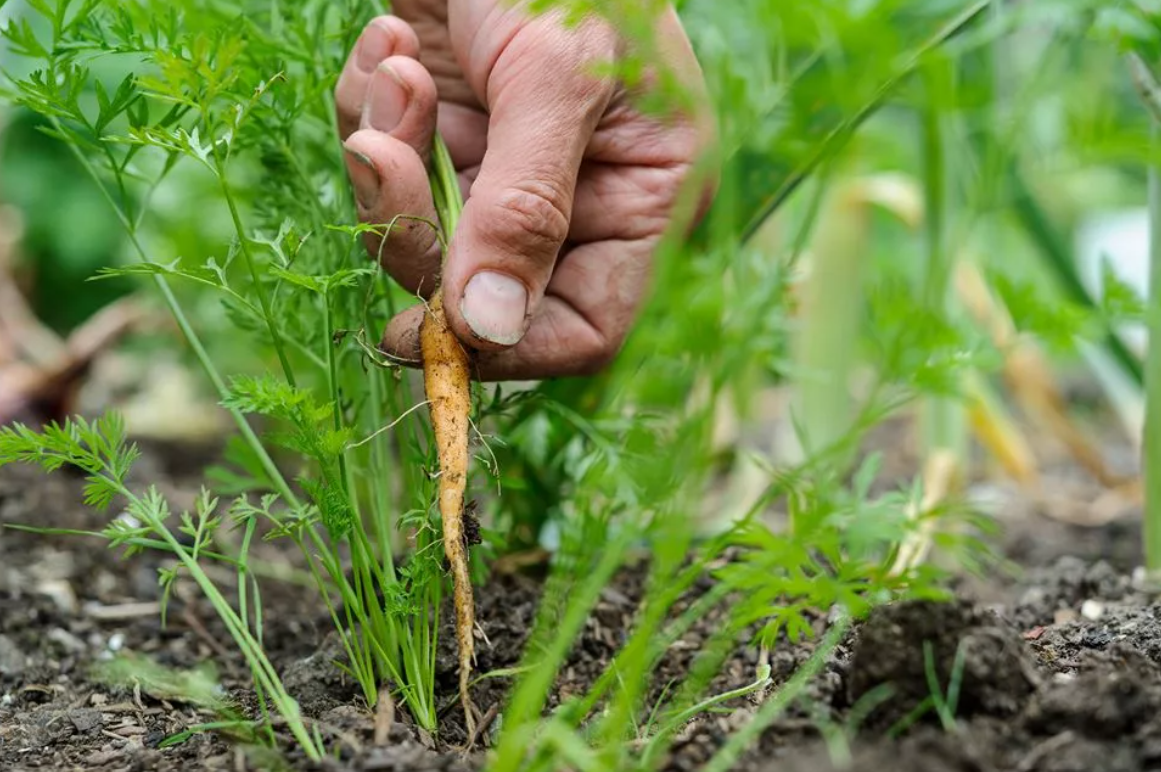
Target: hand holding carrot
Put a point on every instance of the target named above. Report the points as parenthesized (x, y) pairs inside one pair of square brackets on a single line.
[(568, 188)]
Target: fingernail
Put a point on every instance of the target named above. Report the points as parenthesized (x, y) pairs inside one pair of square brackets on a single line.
[(364, 177), (387, 99), (494, 306), (374, 46)]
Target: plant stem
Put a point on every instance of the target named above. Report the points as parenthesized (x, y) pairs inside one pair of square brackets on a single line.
[(336, 397), (656, 744), (1053, 248), (264, 673), (1148, 87), (945, 424), (726, 757), (248, 257), (845, 130), (445, 186), (826, 344), (215, 377), (191, 336), (1151, 446)]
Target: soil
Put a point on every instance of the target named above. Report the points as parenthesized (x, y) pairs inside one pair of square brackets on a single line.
[(1057, 667)]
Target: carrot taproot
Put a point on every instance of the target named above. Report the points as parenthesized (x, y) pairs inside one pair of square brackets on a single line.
[(447, 382)]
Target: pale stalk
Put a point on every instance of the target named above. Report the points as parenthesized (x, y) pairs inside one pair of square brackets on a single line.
[(1150, 93), (825, 345), (944, 417), (1151, 445)]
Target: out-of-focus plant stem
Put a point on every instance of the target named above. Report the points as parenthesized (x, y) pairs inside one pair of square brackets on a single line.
[(944, 417), (825, 347), (827, 340), (1150, 90), (1152, 441)]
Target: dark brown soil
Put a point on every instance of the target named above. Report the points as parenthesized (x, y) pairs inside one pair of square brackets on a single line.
[(1060, 669)]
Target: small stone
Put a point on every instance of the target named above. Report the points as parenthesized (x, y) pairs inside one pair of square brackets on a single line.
[(12, 659), (615, 597), (104, 756), (1092, 610), (1033, 597), (1064, 616), (61, 593), (85, 719), (67, 640)]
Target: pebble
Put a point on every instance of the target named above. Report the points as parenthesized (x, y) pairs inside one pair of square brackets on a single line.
[(1092, 610), (67, 640), (12, 659), (60, 592), (85, 719)]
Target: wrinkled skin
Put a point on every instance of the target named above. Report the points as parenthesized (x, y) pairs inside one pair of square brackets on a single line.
[(568, 188)]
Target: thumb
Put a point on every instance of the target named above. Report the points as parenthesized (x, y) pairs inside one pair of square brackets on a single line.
[(544, 106)]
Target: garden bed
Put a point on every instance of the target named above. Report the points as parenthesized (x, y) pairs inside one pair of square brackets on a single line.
[(1061, 665)]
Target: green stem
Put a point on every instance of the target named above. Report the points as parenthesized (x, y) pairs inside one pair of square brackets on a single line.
[(365, 683), (381, 479), (1149, 89), (191, 336), (648, 758), (333, 387), (252, 266), (744, 738), (1058, 258), (263, 671), (215, 377), (945, 420), (845, 130), (1151, 446), (826, 343), (445, 186)]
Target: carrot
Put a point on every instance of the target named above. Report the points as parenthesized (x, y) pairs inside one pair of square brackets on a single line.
[(446, 380)]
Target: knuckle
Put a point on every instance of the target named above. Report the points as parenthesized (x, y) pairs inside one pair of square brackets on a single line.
[(598, 354), (534, 215)]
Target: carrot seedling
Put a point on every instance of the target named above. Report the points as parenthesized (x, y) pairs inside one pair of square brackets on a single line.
[(447, 382)]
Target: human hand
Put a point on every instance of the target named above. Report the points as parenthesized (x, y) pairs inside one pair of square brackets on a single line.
[(568, 188)]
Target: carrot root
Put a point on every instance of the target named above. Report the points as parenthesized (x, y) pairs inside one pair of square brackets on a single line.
[(447, 382)]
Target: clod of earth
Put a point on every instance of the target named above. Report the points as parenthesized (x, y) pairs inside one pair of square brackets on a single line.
[(447, 382), (996, 678)]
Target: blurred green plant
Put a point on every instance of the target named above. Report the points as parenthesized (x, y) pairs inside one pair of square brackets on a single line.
[(48, 188)]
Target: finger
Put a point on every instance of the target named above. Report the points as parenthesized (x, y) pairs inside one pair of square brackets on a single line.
[(401, 101), (386, 163), (590, 306), (384, 36), (465, 130), (614, 201), (579, 327), (544, 106)]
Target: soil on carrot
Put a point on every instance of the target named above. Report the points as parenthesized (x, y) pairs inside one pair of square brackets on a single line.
[(1058, 668)]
